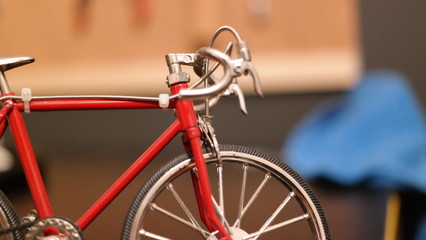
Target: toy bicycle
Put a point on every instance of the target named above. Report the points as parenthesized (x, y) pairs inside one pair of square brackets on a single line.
[(255, 196)]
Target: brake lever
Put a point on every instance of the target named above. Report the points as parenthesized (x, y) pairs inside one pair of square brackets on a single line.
[(256, 80), (239, 93), (248, 67), (236, 90)]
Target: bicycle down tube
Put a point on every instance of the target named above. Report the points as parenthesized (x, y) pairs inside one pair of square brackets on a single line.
[(186, 122)]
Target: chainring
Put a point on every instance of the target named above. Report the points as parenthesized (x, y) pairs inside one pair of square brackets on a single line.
[(67, 229)]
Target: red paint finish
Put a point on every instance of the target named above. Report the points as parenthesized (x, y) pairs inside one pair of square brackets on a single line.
[(184, 109), (129, 175), (186, 122), (204, 183), (29, 164), (200, 200), (186, 114), (58, 105), (5, 110)]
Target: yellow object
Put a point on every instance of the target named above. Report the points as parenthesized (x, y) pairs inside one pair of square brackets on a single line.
[(392, 216)]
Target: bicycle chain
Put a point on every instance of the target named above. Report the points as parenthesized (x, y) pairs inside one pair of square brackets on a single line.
[(21, 226)]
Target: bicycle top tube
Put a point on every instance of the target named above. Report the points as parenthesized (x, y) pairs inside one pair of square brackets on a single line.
[(88, 97)]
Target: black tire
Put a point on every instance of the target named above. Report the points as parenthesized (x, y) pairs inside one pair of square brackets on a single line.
[(284, 192), (9, 218)]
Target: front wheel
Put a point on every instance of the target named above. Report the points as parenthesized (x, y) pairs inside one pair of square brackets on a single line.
[(256, 197), (8, 219)]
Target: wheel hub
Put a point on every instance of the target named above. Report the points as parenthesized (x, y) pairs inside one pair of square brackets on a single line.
[(238, 233)]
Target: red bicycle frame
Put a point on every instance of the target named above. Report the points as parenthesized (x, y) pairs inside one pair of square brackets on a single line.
[(186, 123)]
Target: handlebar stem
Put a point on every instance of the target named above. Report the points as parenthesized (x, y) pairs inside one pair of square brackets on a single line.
[(177, 77), (174, 62)]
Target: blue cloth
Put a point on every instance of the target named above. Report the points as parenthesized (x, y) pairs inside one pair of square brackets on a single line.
[(374, 134)]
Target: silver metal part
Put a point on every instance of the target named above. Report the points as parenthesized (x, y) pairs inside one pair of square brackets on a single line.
[(189, 59), (5, 223), (238, 233), (252, 199), (222, 29), (228, 73), (31, 216), (249, 68), (7, 63), (279, 225), (174, 62), (67, 230), (142, 232), (243, 52), (204, 123), (236, 90), (242, 194), (4, 86), (190, 224), (201, 108), (275, 214), (177, 77), (188, 213)]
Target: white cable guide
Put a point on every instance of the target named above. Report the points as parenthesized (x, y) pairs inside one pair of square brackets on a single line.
[(26, 96)]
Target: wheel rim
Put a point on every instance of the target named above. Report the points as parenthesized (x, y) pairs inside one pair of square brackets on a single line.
[(8, 218), (283, 206), (4, 224)]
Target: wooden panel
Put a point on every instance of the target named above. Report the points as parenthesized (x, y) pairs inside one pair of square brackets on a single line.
[(296, 45)]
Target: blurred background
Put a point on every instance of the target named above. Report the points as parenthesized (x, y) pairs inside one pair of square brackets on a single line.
[(306, 52), (87, 46)]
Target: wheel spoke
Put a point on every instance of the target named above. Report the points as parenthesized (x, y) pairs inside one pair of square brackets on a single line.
[(220, 190), (242, 194), (279, 225), (253, 197), (185, 209), (152, 235), (179, 219), (218, 210), (275, 214)]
